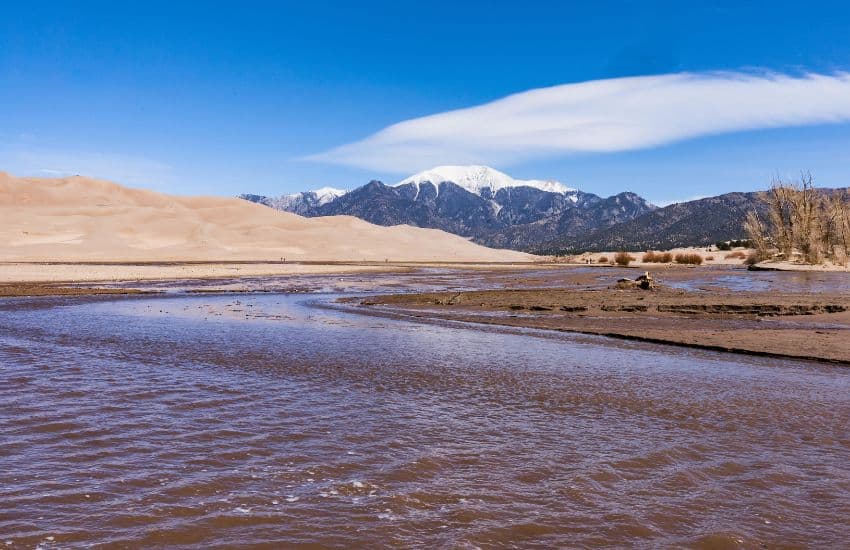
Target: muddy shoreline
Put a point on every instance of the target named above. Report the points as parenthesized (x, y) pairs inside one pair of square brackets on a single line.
[(796, 316), (811, 326)]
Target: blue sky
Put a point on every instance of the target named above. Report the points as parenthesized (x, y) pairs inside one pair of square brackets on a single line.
[(223, 98)]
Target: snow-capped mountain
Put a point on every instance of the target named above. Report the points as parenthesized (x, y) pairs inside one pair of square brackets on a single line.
[(477, 179), (478, 202), (301, 203)]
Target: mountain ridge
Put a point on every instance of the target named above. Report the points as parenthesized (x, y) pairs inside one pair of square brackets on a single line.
[(700, 222), (532, 220), (486, 205)]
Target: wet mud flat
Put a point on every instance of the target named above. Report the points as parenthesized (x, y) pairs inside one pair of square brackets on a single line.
[(49, 289), (801, 325), (407, 278)]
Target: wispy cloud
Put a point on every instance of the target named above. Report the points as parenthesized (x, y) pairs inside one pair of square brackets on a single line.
[(601, 116)]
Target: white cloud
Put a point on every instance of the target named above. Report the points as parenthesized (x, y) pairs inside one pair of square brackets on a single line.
[(601, 116)]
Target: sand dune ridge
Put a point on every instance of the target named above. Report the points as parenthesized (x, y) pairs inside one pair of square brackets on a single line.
[(85, 219)]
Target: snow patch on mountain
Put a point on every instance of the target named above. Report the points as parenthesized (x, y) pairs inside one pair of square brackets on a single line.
[(325, 195), (496, 207), (317, 197), (477, 178)]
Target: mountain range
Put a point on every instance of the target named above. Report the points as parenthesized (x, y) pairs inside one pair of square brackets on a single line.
[(478, 202), (538, 216), (694, 223)]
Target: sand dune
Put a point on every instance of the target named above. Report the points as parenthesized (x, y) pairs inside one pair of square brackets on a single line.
[(82, 219)]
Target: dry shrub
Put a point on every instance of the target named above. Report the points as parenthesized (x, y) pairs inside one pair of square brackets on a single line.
[(753, 258), (603, 259), (623, 258), (737, 255), (709, 258), (688, 259), (657, 258)]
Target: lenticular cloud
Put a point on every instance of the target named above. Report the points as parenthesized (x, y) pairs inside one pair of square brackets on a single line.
[(601, 116)]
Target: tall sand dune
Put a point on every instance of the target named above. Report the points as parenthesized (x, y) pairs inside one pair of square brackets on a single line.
[(83, 219)]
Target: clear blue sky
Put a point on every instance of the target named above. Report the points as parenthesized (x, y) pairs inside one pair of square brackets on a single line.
[(222, 98)]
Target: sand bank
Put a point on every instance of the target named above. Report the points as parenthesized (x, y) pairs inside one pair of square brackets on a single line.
[(791, 266), (806, 326)]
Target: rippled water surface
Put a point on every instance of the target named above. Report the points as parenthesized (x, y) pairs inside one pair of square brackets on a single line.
[(762, 281), (262, 420)]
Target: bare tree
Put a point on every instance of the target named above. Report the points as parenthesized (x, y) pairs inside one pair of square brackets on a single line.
[(840, 214), (758, 235), (802, 220), (808, 211), (780, 216)]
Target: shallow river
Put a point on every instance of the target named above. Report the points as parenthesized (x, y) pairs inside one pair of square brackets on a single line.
[(262, 420)]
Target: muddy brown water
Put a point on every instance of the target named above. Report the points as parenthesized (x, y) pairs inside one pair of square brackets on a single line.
[(266, 421)]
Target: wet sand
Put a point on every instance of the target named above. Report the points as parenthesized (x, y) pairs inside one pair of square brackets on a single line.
[(805, 325), (81, 278), (36, 289), (88, 272), (77, 272)]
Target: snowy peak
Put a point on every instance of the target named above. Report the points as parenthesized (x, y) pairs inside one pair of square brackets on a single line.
[(322, 195), (477, 178), (302, 203)]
